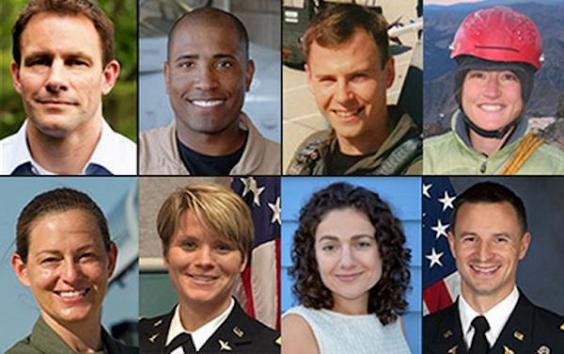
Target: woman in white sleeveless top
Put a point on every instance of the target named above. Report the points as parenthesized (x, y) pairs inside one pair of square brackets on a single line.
[(351, 271)]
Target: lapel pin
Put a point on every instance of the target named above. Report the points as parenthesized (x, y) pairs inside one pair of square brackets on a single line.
[(543, 350), (278, 341), (153, 338), (562, 327), (518, 335), (158, 323), (453, 350), (224, 345), (447, 334), (238, 332), (507, 350)]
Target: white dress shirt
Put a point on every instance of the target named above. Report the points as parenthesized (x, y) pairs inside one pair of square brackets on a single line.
[(202, 334), (497, 316), (113, 152)]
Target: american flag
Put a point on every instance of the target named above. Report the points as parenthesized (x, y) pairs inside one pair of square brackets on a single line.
[(260, 281), (441, 282)]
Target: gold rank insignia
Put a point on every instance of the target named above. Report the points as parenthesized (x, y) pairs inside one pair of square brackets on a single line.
[(238, 332), (153, 338), (158, 323), (507, 350), (447, 334), (224, 345), (278, 341), (543, 349), (518, 335), (453, 350)]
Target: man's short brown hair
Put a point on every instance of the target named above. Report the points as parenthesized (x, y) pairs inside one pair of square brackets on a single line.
[(213, 205), (101, 22), (337, 23)]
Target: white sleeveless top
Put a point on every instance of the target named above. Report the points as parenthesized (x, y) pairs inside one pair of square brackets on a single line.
[(336, 333)]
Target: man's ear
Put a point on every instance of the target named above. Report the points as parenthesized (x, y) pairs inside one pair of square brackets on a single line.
[(451, 244), (308, 73), (112, 259), (524, 246), (111, 74), (390, 72), (250, 74), (166, 71), (15, 70), (20, 268)]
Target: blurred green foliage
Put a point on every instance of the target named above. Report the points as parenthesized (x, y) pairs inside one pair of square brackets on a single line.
[(120, 106)]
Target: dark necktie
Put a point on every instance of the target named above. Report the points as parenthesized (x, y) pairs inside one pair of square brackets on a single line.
[(479, 342), (183, 340)]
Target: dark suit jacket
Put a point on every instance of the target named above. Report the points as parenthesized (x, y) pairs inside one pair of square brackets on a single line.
[(529, 330), (242, 333)]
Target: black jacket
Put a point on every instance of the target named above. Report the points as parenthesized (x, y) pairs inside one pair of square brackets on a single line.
[(530, 329), (242, 333)]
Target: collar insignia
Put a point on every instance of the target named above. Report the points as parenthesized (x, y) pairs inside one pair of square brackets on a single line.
[(507, 350), (153, 338), (543, 349), (518, 335), (447, 334), (238, 332), (224, 345)]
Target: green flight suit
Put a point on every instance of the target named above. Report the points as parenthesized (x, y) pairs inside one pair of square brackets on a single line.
[(43, 340)]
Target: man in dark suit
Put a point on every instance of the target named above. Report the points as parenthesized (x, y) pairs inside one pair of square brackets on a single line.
[(206, 232), (488, 238)]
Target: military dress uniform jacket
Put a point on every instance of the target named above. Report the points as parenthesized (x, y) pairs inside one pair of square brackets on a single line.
[(43, 340), (529, 330), (239, 334), (400, 154)]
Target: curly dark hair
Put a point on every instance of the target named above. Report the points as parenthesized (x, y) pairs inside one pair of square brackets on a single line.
[(387, 298)]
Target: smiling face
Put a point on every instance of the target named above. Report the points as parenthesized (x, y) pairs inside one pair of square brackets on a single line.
[(207, 75), (488, 244), (491, 99), (61, 77), (67, 267), (202, 266), (349, 84), (347, 255)]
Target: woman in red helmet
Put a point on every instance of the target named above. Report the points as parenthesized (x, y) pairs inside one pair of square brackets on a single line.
[(498, 50)]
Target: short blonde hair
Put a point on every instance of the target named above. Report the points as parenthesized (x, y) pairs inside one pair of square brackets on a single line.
[(213, 205)]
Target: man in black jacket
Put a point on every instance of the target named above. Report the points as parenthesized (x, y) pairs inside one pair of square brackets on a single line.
[(488, 238)]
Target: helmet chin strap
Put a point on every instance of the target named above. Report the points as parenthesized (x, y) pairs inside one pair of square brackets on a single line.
[(497, 134)]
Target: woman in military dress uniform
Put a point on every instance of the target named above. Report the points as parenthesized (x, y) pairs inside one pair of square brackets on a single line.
[(206, 232)]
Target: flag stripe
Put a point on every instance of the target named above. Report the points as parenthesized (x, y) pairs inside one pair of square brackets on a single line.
[(261, 286)]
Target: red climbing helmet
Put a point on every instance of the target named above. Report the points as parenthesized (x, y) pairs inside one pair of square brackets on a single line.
[(499, 34)]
